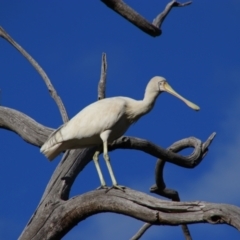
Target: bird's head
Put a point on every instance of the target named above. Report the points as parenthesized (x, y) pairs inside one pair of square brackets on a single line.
[(161, 85)]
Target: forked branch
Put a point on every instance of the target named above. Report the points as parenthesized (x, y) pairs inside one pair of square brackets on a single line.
[(154, 28)]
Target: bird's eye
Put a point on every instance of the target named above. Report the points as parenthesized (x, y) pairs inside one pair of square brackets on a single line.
[(161, 83)]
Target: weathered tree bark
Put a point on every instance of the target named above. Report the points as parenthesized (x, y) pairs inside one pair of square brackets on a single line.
[(66, 214)]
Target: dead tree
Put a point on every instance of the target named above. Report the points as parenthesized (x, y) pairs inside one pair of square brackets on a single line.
[(57, 214)]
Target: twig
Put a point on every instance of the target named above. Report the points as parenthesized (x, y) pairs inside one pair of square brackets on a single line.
[(153, 29), (102, 81), (42, 73), (160, 186), (158, 21), (141, 231), (146, 226), (186, 232)]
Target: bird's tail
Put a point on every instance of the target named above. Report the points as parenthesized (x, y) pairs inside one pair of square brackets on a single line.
[(53, 146), (51, 152)]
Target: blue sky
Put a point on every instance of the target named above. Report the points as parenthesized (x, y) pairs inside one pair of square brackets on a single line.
[(198, 53)]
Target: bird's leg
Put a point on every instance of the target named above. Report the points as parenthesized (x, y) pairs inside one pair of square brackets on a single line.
[(95, 159), (107, 160)]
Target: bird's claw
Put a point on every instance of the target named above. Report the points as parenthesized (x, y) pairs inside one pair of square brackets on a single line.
[(103, 187), (119, 187), (116, 186)]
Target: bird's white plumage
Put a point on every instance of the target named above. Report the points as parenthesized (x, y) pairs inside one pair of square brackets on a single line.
[(105, 121), (84, 129)]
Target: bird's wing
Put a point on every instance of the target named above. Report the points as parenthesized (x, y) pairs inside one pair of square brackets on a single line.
[(85, 128), (95, 118)]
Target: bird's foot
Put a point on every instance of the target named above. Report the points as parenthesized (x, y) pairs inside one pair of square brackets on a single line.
[(116, 186), (103, 187)]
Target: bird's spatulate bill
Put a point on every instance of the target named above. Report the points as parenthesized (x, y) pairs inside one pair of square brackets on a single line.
[(169, 89)]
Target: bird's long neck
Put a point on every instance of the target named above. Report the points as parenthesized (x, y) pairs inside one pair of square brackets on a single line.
[(149, 100), (142, 107)]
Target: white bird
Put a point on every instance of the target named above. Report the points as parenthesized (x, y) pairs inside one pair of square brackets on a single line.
[(104, 121)]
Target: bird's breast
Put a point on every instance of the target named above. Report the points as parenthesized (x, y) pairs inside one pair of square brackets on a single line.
[(119, 128)]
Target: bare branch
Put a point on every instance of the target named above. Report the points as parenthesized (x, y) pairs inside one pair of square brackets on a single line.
[(132, 16), (102, 81), (42, 73), (160, 186), (27, 128), (150, 148), (186, 232), (153, 29), (202, 148), (141, 231), (138, 205), (158, 21)]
